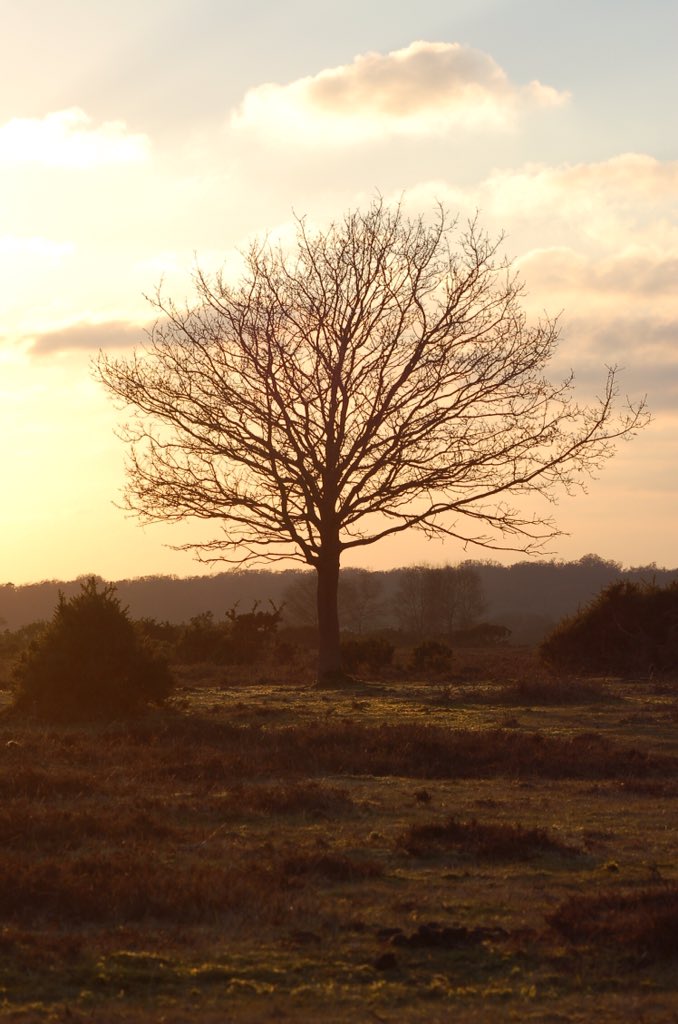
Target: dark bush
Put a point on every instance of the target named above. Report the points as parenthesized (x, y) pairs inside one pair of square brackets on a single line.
[(629, 629), (14, 642), (373, 653), (161, 632), (159, 637), (495, 841), (202, 639), (483, 634), (645, 923), (431, 656), (251, 634), (243, 639), (90, 662)]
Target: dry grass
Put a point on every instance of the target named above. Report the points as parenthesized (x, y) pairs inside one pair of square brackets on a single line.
[(474, 839), (644, 923), (554, 691), (278, 853), (116, 885), (416, 749)]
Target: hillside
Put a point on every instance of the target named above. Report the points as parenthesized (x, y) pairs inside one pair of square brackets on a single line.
[(528, 596)]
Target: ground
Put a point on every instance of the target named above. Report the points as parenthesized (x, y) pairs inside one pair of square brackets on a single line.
[(403, 851)]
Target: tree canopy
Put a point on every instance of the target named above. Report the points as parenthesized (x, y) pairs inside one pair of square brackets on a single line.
[(376, 376)]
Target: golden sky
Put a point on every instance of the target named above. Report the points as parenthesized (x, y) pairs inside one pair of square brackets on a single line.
[(137, 138)]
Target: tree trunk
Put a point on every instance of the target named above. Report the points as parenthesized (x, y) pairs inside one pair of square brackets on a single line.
[(329, 653)]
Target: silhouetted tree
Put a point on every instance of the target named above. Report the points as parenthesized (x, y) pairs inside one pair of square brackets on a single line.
[(436, 601), (360, 600), (299, 601), (378, 376)]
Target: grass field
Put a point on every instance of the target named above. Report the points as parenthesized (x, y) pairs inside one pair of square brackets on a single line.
[(458, 851)]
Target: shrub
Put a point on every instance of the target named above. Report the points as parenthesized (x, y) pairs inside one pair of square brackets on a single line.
[(558, 691), (496, 841), (159, 637), (251, 634), (12, 643), (629, 629), (90, 662), (374, 653), (431, 656), (645, 923), (243, 639), (483, 634), (202, 639)]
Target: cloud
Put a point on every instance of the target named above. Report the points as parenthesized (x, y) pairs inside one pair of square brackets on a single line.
[(562, 269), (599, 237), (615, 204), (424, 89), (68, 138), (87, 337), (598, 241), (647, 346)]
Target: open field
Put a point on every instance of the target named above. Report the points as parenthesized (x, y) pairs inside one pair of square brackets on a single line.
[(402, 852)]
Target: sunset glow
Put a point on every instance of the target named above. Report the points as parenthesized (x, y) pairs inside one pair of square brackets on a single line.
[(135, 144)]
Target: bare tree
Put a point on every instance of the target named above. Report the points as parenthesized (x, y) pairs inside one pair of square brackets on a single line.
[(435, 601), (300, 607), (378, 376), (360, 600), (359, 597)]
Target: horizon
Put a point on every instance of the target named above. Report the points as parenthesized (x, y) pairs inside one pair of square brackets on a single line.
[(135, 141), (534, 561)]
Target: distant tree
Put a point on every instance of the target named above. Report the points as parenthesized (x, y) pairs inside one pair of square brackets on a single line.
[(241, 638), (379, 376), (437, 601), (299, 602), (201, 639), (360, 601)]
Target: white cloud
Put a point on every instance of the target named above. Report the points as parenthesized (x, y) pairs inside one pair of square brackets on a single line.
[(627, 201), (88, 337), (640, 273), (424, 89), (599, 236), (68, 138), (598, 241)]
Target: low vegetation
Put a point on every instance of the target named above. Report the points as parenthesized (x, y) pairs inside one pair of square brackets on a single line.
[(475, 840), (402, 851), (643, 923), (629, 629), (460, 835), (89, 662)]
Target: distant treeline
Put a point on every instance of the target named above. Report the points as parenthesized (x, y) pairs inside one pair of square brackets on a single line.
[(528, 597)]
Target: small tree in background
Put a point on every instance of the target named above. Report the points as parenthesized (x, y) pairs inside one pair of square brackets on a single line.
[(90, 662), (360, 601), (360, 596), (434, 602), (629, 629)]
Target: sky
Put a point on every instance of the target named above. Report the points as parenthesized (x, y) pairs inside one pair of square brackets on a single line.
[(140, 138)]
